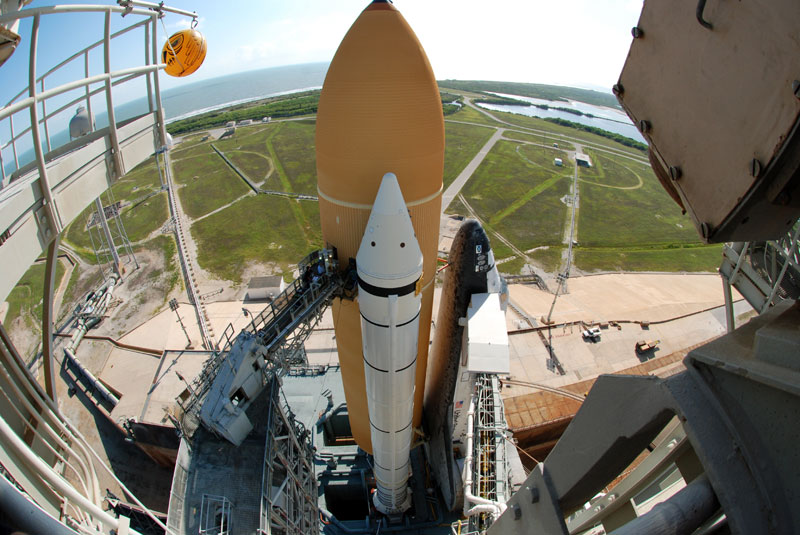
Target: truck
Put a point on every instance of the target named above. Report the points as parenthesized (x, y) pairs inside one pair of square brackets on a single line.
[(592, 333)]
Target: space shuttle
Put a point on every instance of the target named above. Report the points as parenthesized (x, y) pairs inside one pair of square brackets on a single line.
[(380, 157)]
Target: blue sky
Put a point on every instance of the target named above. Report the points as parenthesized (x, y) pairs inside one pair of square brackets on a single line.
[(581, 43), (569, 42)]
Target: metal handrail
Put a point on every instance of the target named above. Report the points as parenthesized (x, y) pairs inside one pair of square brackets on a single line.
[(38, 94)]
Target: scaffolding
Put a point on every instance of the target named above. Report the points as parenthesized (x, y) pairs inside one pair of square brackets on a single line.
[(490, 468), (215, 515), (289, 486), (765, 273), (281, 328), (109, 238)]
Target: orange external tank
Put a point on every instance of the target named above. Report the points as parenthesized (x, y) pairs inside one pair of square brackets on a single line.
[(379, 112)]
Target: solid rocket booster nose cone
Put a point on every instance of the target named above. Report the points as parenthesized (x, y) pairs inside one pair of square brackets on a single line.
[(389, 251)]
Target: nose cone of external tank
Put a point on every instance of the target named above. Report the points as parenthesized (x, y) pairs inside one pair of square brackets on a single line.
[(389, 256), (379, 110)]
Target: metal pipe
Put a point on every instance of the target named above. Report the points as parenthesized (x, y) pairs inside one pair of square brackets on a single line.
[(483, 505), (74, 8), (162, 127), (682, 513), (49, 410), (88, 91), (26, 514), (157, 7), (111, 398), (54, 479), (50, 208), (35, 428), (13, 145), (39, 415), (44, 117), (786, 261), (30, 101), (119, 166)]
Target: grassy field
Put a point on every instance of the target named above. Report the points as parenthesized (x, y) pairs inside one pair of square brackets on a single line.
[(256, 229), (549, 259), (293, 144), (142, 211), (541, 139), (539, 124), (701, 258), (612, 217), (145, 217), (548, 92), (168, 248), (207, 184), (26, 298), (519, 198), (469, 115), (513, 266), (462, 142), (253, 164)]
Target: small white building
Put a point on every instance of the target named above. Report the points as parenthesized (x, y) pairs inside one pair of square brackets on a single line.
[(582, 160), (264, 288), (558, 162), (266, 119)]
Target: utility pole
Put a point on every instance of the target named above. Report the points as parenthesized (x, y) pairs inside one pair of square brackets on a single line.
[(173, 305)]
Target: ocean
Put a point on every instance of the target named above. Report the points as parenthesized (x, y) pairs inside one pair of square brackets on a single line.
[(221, 92), (207, 95), (193, 99)]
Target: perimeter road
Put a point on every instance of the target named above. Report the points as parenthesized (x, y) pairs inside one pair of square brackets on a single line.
[(454, 188)]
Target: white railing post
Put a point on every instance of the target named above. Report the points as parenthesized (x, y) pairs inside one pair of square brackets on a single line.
[(13, 141), (53, 223), (88, 90), (44, 119), (112, 120)]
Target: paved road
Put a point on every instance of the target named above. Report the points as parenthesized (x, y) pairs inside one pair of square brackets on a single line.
[(454, 188)]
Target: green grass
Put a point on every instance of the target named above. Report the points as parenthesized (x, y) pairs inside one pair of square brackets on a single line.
[(462, 142), (611, 217), (294, 147), (168, 248), (548, 259), (144, 218), (208, 183), (702, 258), (256, 229), (542, 139), (471, 115), (518, 198), (26, 298), (190, 150), (512, 267), (539, 124), (543, 91), (254, 165), (252, 138)]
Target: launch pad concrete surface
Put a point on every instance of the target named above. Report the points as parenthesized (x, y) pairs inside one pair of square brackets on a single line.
[(682, 310), (677, 311), (618, 297)]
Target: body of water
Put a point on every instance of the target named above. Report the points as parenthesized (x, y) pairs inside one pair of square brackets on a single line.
[(208, 95), (606, 118), (194, 99)]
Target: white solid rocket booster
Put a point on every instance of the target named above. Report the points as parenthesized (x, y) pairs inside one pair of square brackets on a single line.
[(389, 266)]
